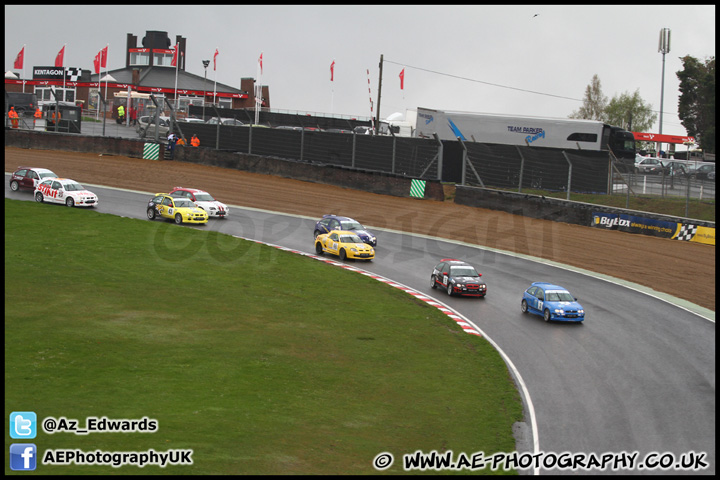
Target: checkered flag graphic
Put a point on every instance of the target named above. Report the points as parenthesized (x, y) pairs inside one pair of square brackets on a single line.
[(72, 74), (687, 232)]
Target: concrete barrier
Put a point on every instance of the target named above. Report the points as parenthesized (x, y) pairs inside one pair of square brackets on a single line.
[(546, 208), (366, 180)]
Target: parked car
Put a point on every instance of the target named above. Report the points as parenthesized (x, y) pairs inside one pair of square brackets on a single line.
[(674, 168), (458, 278), (703, 172), (146, 125), (65, 190), (203, 200), (363, 130), (27, 178), (225, 121), (192, 120), (182, 210), (648, 165), (335, 222), (343, 244), (552, 302)]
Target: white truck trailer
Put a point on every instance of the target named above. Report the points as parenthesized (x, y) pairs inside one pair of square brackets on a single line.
[(517, 130)]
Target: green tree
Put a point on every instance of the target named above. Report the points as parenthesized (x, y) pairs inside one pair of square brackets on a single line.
[(593, 104), (696, 107), (630, 112)]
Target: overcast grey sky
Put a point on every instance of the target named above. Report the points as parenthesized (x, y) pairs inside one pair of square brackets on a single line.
[(510, 59)]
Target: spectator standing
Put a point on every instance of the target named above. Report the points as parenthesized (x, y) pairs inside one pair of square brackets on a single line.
[(133, 115), (195, 141), (171, 144), (180, 141), (121, 114)]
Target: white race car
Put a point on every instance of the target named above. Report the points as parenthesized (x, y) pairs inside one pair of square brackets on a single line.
[(64, 190), (203, 200)]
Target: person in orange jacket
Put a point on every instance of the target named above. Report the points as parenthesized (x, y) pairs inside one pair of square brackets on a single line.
[(195, 141), (12, 114), (38, 115), (180, 141)]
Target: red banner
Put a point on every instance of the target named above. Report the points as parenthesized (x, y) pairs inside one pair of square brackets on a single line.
[(662, 138)]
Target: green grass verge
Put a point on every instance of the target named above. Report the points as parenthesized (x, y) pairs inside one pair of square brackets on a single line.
[(260, 360)]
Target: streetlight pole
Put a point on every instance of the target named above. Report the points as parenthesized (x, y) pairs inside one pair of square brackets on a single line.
[(205, 64), (663, 47)]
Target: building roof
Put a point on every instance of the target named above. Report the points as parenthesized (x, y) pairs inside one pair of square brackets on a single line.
[(164, 77)]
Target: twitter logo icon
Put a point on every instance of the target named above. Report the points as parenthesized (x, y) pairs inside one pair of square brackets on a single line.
[(23, 425)]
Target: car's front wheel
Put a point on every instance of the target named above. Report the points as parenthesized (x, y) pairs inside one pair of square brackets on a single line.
[(39, 197), (342, 254), (546, 315), (433, 283), (151, 213), (70, 202), (318, 248), (316, 233), (449, 289), (14, 186), (523, 306), (178, 219)]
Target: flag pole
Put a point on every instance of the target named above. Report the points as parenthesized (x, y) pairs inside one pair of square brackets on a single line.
[(332, 88), (215, 69), (177, 63), (64, 73), (23, 50)]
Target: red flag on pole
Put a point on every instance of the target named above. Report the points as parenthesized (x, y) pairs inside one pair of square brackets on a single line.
[(402, 79), (260, 60), (332, 70), (103, 57), (19, 59), (96, 62), (173, 62), (60, 57), (215, 59)]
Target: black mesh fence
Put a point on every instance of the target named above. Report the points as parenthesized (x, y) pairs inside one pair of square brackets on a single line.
[(412, 157), (513, 167), (490, 165)]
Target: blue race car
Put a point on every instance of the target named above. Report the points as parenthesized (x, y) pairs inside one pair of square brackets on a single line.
[(335, 222), (552, 302)]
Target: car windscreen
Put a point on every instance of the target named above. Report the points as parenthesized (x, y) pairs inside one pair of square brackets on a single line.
[(559, 297), (204, 197), (183, 203), (73, 187), (464, 271), (47, 175), (350, 239), (350, 225)]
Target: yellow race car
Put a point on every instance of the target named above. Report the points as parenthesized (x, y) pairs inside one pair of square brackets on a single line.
[(182, 210), (343, 244)]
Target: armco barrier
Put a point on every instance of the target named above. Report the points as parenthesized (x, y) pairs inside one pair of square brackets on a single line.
[(366, 180), (586, 214)]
